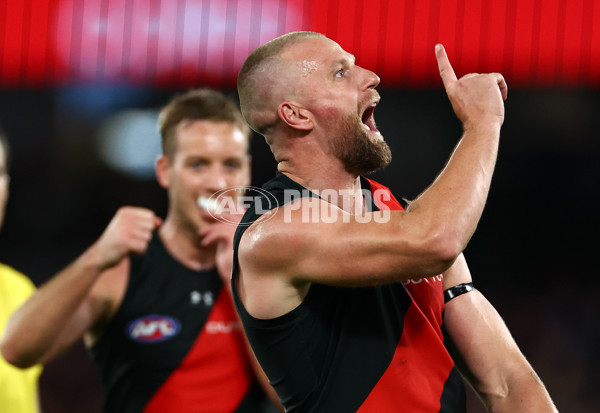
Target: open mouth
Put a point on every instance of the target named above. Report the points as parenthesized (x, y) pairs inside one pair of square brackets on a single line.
[(368, 121)]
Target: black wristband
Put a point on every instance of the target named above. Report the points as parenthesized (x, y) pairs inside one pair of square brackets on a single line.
[(457, 290)]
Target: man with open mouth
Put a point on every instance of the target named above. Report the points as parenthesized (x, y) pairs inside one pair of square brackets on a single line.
[(345, 315)]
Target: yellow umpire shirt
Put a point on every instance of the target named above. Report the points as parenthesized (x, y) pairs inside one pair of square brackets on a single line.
[(18, 388)]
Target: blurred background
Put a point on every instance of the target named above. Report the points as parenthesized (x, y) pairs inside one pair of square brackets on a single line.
[(81, 82)]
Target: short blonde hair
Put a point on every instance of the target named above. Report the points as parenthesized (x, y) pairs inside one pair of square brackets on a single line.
[(197, 104)]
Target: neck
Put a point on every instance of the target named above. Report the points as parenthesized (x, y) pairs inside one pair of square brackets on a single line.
[(183, 243), (308, 160)]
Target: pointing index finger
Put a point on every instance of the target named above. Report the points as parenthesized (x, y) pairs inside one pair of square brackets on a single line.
[(446, 71)]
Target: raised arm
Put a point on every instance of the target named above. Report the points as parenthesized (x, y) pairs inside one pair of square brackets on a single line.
[(487, 355), (423, 241), (79, 298), (451, 207)]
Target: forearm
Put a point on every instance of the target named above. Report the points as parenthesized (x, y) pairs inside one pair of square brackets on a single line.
[(35, 327), (525, 393), (73, 302), (490, 359), (451, 207)]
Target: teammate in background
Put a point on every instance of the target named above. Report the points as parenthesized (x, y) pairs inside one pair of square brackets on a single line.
[(345, 315), (18, 388), (151, 299)]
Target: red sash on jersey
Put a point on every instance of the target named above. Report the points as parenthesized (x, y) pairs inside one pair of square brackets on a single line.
[(421, 364), (215, 374)]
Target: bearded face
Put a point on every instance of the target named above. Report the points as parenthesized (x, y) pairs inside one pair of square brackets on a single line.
[(361, 151)]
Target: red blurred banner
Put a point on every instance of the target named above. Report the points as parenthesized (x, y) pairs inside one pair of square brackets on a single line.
[(178, 43)]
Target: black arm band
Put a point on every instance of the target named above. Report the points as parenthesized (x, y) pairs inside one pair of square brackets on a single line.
[(457, 290)]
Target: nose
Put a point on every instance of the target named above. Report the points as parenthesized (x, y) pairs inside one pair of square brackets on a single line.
[(371, 79), (217, 179)]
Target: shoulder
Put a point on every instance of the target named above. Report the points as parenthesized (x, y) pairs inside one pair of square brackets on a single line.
[(270, 258), (273, 236), (284, 237), (267, 239)]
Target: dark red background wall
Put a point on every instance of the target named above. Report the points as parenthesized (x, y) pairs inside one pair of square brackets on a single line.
[(537, 43)]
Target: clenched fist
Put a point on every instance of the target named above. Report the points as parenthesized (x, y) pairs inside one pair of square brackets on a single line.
[(129, 231)]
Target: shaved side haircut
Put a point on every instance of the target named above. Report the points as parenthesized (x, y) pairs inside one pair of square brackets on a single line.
[(257, 80)]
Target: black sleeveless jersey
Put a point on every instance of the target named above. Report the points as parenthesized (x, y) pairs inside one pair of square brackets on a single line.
[(344, 350), (175, 344)]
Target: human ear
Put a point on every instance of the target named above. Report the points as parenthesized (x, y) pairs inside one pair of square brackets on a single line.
[(295, 116), (162, 170)]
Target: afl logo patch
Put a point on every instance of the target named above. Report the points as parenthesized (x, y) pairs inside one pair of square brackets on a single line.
[(153, 328)]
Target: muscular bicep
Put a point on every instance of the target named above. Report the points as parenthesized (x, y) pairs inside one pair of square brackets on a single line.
[(340, 249)]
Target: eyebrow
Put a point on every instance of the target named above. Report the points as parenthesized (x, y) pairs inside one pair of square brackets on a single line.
[(344, 60)]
